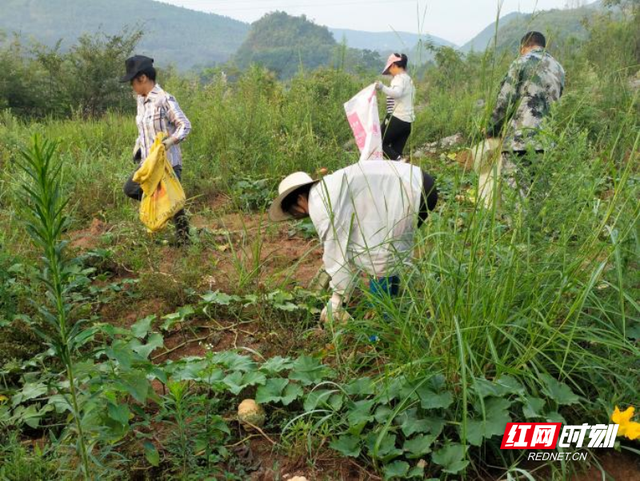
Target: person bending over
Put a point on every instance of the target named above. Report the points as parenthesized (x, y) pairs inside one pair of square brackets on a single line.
[(365, 215)]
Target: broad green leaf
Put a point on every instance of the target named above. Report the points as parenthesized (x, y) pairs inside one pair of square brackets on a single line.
[(188, 370), (276, 364), (386, 449), (432, 400), (532, 407), (155, 341), (363, 386), (28, 392), (271, 391), (451, 458), (121, 352), (30, 415), (391, 389), (418, 446), (291, 393), (417, 472), (186, 311), (234, 382), (360, 412), (142, 327), (347, 445), (234, 361), (410, 422), (410, 427), (383, 413), (136, 384), (554, 417), (119, 413), (278, 390), (510, 384), (558, 391), (217, 422), (308, 370), (495, 407), (252, 378), (171, 320), (219, 298), (493, 422), (336, 401), (60, 403), (397, 469), (159, 374), (504, 385), (475, 432), (151, 454), (317, 397)]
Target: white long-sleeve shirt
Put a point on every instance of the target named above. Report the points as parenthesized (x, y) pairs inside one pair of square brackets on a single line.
[(365, 217), (402, 91)]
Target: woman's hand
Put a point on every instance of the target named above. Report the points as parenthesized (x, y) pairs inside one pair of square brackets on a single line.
[(379, 85), (169, 141)]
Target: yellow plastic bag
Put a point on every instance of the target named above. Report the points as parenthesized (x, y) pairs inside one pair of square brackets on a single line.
[(163, 196)]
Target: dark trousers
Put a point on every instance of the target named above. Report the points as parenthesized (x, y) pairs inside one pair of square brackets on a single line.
[(429, 197), (395, 136), (132, 189)]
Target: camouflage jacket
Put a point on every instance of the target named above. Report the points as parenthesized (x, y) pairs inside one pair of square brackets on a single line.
[(533, 83)]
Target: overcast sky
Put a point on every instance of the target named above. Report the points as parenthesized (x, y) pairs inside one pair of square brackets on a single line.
[(455, 20)]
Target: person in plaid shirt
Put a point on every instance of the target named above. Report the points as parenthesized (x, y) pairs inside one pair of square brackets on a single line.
[(158, 112)]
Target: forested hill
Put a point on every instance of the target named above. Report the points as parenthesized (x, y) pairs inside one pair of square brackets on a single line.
[(282, 43), (172, 34)]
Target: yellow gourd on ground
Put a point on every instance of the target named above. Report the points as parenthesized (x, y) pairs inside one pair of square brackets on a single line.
[(251, 413)]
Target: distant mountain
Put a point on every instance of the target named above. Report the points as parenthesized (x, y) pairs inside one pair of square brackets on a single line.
[(385, 41), (556, 25), (481, 41), (172, 34)]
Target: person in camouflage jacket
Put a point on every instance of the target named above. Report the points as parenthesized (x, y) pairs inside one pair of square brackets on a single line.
[(535, 80)]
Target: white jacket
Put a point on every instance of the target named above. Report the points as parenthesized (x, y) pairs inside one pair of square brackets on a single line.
[(402, 92), (365, 216)]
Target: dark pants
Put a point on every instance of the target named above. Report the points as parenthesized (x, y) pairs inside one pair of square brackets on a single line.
[(132, 189), (519, 169), (385, 286), (429, 198), (395, 136)]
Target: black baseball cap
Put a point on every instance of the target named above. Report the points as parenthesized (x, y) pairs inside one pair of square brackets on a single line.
[(135, 65)]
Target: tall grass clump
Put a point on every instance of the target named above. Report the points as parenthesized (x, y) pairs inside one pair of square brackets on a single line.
[(528, 311), (45, 222)]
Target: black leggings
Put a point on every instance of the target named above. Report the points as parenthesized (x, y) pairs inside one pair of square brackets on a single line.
[(395, 136), (429, 197)]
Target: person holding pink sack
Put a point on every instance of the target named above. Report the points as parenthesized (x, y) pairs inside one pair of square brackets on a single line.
[(397, 123)]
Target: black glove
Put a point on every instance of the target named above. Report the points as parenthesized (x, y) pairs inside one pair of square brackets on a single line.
[(137, 156)]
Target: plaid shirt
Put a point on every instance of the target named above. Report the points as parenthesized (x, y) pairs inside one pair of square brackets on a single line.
[(159, 112)]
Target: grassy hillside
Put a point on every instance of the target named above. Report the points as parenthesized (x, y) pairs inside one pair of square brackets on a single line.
[(484, 38), (171, 34), (557, 25)]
